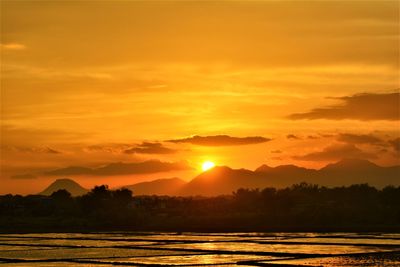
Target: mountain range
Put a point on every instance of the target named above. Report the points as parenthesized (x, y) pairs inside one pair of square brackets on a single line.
[(224, 180)]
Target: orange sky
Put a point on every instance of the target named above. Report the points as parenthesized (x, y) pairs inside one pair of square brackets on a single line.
[(85, 83)]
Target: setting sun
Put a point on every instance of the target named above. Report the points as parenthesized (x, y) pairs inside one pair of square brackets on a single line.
[(207, 165)]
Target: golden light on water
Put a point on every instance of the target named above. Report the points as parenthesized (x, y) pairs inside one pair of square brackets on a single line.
[(207, 165)]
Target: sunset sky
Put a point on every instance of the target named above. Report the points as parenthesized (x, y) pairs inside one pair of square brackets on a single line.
[(126, 91)]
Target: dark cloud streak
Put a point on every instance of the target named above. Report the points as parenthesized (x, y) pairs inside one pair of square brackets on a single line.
[(150, 148), (24, 176), (292, 136), (364, 107), (359, 139), (395, 143), (120, 168), (38, 150), (221, 140)]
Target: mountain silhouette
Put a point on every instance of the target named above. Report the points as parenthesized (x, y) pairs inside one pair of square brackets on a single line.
[(351, 165), (70, 185), (354, 171), (222, 180), (285, 175), (167, 186)]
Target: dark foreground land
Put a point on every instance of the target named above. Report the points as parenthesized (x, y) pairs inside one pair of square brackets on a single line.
[(199, 249), (302, 207)]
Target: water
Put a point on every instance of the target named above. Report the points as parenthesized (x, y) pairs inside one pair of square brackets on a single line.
[(198, 249)]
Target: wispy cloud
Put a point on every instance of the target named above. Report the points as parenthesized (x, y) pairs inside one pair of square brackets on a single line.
[(108, 148), (13, 46)]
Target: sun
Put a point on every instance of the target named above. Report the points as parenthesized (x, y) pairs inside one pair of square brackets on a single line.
[(207, 165)]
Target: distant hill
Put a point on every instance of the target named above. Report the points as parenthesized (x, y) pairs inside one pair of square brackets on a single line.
[(168, 186), (70, 185)]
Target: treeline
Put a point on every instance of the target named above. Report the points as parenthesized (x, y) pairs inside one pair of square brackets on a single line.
[(301, 207)]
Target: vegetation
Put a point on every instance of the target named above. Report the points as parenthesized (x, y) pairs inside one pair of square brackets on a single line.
[(301, 207)]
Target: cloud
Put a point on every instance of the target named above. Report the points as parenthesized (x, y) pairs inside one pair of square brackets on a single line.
[(395, 143), (364, 107), (13, 46), (276, 151), (337, 152), (41, 150), (292, 136), (120, 168), (71, 170), (23, 176), (143, 148), (221, 140), (279, 33), (150, 148), (359, 139), (107, 148), (18, 136), (50, 151), (326, 135)]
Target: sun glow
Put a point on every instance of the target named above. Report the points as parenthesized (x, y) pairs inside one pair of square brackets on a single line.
[(207, 165)]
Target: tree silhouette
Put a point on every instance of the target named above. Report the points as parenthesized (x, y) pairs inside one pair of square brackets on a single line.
[(299, 207)]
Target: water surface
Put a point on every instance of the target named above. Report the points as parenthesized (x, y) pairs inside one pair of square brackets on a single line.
[(199, 249)]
